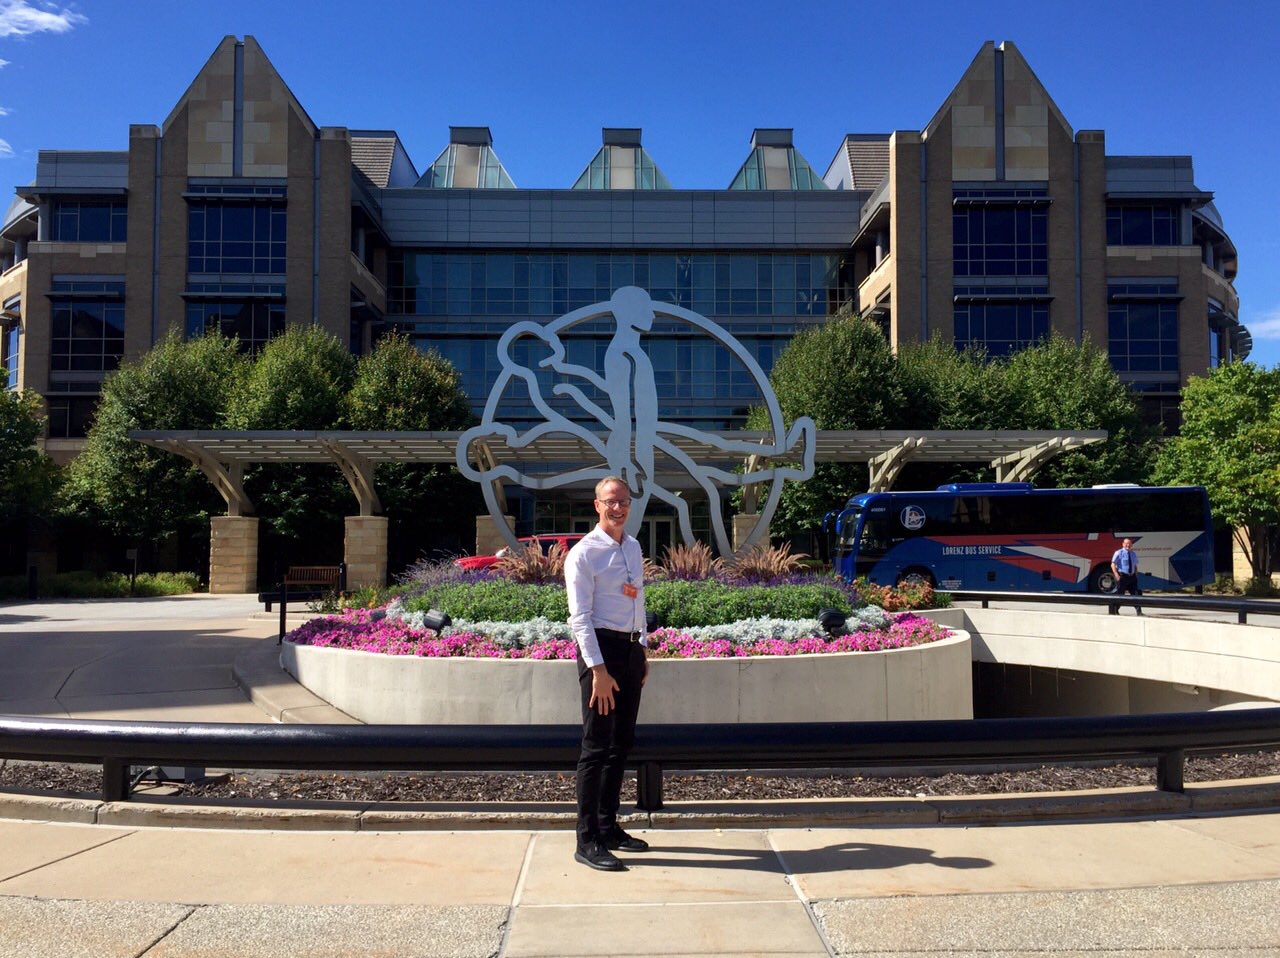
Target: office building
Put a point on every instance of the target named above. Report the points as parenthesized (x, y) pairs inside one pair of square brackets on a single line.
[(994, 224)]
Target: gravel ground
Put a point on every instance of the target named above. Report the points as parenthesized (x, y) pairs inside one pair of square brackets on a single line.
[(677, 786)]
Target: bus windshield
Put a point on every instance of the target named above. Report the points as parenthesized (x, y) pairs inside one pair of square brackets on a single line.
[(985, 537)]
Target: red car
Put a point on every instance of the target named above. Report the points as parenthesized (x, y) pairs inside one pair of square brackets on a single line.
[(543, 541)]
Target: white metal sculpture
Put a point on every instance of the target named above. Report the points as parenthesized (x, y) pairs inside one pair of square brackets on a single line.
[(630, 434)]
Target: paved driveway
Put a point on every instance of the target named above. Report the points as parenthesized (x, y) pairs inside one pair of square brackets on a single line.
[(159, 658)]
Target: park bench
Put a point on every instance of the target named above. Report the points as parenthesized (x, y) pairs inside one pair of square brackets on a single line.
[(305, 583)]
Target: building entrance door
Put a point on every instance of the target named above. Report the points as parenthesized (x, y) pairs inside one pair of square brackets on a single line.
[(656, 535)]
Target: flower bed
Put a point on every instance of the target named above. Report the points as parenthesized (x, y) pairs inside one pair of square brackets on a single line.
[(396, 631), (433, 681), (772, 663)]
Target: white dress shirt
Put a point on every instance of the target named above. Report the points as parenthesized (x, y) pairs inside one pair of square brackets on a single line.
[(595, 572)]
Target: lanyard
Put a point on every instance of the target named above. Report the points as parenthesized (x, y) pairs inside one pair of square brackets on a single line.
[(622, 553)]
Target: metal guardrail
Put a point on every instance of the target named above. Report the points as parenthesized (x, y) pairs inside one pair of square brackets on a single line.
[(118, 745), (1242, 608)]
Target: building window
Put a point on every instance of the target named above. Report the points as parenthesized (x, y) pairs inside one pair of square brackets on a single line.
[(11, 345), (236, 237), (88, 325), (551, 284), (254, 322), (1002, 329), (1000, 240), (76, 221), (1142, 224), (1142, 327), (71, 416)]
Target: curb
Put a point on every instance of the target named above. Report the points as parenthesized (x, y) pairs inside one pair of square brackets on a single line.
[(267, 685), (1234, 797)]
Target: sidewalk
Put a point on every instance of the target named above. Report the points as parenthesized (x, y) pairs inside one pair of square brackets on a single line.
[(1178, 886), (1176, 879)]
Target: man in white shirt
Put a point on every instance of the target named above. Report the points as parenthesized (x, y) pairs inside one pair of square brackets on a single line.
[(604, 576)]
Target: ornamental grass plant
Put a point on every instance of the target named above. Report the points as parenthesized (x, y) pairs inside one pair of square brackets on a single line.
[(528, 564), (692, 561), (764, 561)]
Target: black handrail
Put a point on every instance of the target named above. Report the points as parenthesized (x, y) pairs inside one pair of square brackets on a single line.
[(117, 745), (1113, 603)]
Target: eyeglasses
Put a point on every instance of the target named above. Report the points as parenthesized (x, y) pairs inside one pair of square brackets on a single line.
[(616, 503)]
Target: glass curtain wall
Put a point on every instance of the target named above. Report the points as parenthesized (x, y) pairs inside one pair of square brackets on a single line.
[(461, 303)]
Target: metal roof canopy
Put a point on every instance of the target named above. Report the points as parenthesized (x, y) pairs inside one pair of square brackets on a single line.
[(1016, 455)]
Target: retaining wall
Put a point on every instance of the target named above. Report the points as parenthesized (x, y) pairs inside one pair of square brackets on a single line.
[(930, 681)]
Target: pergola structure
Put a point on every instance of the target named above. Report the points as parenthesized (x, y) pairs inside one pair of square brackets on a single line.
[(223, 456)]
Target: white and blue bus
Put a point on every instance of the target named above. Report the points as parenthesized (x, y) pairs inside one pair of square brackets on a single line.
[(1013, 537)]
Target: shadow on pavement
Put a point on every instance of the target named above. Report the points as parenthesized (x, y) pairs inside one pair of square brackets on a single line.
[(847, 856)]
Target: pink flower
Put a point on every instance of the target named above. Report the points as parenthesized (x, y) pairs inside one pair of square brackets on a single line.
[(359, 630)]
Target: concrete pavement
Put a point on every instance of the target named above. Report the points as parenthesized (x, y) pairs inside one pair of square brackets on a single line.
[(1168, 887), (880, 878)]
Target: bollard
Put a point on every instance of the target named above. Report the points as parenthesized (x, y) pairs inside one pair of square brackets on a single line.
[(649, 787), (284, 610), (1169, 768), (115, 780), (33, 582)]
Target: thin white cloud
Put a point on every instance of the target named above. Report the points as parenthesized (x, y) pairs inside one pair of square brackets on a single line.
[(6, 151), (5, 111), (3, 64), (1265, 326), (19, 18)]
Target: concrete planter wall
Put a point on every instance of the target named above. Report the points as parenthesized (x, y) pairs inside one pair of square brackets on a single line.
[(1154, 663), (925, 682)]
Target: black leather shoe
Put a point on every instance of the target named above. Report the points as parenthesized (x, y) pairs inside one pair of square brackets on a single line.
[(597, 856), (617, 838)]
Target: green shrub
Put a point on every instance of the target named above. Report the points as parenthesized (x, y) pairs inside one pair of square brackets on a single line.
[(165, 583), (495, 600), (685, 604), (678, 603), (369, 597), (109, 585)]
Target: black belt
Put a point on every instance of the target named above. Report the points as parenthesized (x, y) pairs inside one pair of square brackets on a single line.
[(619, 636)]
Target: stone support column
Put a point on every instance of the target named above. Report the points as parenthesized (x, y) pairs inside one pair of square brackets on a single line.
[(488, 538), (743, 524), (364, 549), (233, 554)]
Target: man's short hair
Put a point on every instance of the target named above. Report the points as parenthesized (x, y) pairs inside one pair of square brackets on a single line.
[(608, 480)]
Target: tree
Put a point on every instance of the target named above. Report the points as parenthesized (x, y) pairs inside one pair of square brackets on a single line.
[(953, 389), (843, 375), (136, 491), (398, 387), (298, 381), (28, 477), (1061, 384), (1230, 444)]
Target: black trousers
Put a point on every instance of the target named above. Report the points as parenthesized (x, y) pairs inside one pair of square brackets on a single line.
[(1127, 584), (607, 739)]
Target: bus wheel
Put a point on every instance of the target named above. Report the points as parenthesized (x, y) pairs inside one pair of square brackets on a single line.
[(1103, 580), (916, 577)]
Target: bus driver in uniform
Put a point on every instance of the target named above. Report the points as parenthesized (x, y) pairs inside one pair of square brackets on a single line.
[(1124, 565), (603, 575)]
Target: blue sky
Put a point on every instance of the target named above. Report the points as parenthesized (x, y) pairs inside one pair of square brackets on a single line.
[(1168, 78)]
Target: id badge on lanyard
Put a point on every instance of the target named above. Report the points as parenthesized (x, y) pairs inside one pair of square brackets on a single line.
[(628, 588)]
